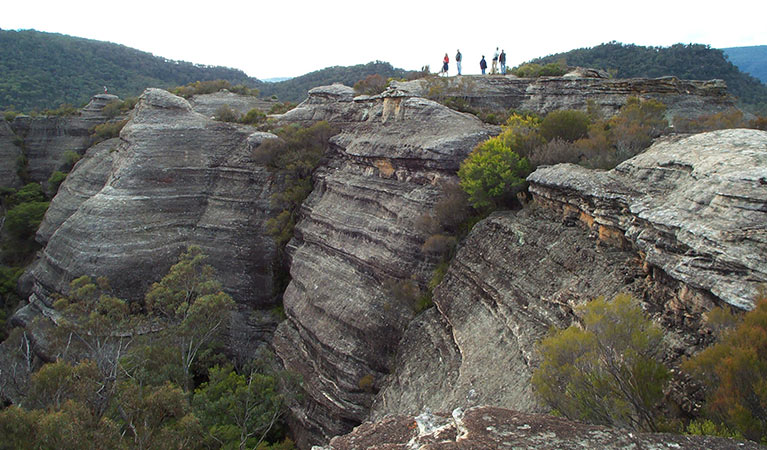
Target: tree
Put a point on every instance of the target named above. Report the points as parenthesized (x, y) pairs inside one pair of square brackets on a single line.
[(238, 411), (734, 373), (492, 174), (190, 306), (608, 371)]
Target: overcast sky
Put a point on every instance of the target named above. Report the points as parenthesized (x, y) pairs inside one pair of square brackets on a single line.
[(284, 38)]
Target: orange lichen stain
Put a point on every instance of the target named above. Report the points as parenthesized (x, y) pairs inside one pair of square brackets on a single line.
[(611, 236), (587, 219), (385, 169)]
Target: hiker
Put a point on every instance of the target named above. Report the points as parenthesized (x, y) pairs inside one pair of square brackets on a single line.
[(458, 58), (105, 89), (502, 60), (483, 64), (444, 64), (494, 70)]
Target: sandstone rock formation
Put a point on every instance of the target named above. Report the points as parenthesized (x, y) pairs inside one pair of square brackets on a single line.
[(683, 98), (357, 238), (208, 104), (45, 140), (681, 227), (493, 428), (176, 178)]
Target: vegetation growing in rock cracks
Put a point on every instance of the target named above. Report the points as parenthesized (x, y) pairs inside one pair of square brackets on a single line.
[(606, 370), (133, 375)]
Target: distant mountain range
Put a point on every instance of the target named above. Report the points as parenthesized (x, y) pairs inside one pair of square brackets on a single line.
[(692, 62), (752, 60), (45, 70)]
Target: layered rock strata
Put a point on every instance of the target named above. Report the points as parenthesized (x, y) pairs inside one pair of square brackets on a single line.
[(681, 227), (494, 428), (10, 152), (174, 178), (208, 104), (356, 240), (683, 98), (46, 140)]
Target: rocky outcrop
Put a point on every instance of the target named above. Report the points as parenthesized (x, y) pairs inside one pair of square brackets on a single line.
[(683, 98), (356, 240), (176, 178), (493, 428), (696, 208), (681, 227), (208, 104), (45, 140)]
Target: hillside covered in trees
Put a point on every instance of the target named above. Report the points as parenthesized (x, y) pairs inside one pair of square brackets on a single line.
[(692, 62), (752, 60), (295, 89), (45, 70)]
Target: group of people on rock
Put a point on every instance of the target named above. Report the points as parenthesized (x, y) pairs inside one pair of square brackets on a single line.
[(498, 58)]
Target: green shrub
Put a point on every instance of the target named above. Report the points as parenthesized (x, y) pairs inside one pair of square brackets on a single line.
[(372, 85), (534, 70), (732, 118), (201, 87), (733, 373), (10, 115), (492, 174), (281, 108), (225, 113), (254, 117), (31, 192), (61, 111), (55, 180), (566, 124), (607, 371), (107, 130), (760, 123), (22, 221), (70, 159)]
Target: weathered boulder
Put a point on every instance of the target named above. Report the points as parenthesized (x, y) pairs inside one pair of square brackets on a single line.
[(356, 239), (576, 90), (176, 178), (208, 104), (486, 427)]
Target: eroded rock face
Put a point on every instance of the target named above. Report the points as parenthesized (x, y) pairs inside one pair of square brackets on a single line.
[(683, 98), (696, 208), (680, 227), (487, 427), (174, 178), (47, 139), (356, 238)]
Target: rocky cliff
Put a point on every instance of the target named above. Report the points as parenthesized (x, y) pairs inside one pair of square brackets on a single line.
[(208, 104), (172, 179), (576, 90), (45, 140), (10, 151), (681, 227), (356, 239)]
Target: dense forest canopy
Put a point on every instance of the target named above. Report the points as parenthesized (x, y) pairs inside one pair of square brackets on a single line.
[(690, 62), (45, 70)]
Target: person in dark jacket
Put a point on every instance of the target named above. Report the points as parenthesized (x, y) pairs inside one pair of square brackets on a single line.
[(483, 64), (502, 60), (458, 58)]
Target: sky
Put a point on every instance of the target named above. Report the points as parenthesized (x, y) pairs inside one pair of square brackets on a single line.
[(286, 38)]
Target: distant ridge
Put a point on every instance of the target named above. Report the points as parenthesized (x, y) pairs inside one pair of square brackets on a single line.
[(752, 60), (45, 70)]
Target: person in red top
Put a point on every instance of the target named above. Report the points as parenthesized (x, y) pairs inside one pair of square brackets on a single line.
[(445, 61)]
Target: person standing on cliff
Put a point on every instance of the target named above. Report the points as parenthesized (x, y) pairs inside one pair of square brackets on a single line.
[(502, 60), (494, 70), (445, 62), (483, 64), (458, 58)]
